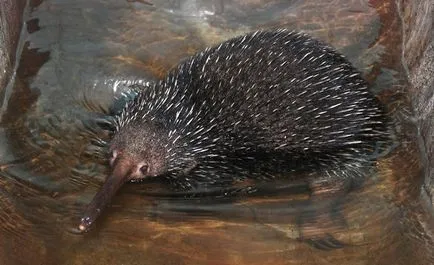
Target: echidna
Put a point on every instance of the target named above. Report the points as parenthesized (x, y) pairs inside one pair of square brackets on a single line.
[(264, 106)]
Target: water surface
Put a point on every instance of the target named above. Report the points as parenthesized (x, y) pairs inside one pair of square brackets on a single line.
[(77, 54)]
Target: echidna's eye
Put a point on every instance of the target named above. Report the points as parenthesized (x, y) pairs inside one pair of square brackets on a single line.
[(144, 169), (113, 154)]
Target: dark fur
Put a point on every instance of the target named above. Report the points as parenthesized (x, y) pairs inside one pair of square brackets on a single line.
[(267, 106), (277, 102)]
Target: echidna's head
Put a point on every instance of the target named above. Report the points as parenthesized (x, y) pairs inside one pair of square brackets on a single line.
[(138, 150)]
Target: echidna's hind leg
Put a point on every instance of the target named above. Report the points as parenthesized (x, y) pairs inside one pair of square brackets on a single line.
[(322, 214)]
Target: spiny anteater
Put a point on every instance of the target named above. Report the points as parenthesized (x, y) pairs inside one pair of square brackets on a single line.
[(262, 106)]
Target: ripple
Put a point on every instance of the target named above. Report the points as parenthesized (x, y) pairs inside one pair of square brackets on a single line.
[(56, 145)]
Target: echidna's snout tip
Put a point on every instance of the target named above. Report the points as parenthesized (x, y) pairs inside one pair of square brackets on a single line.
[(79, 229), (84, 225)]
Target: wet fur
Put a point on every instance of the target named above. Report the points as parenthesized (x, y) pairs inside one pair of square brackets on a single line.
[(266, 105), (270, 106)]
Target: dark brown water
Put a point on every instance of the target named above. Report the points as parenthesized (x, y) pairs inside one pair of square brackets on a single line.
[(75, 56)]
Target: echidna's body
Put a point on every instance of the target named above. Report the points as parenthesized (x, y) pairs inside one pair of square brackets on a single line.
[(259, 106)]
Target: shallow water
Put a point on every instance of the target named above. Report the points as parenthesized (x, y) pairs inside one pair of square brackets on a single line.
[(76, 55)]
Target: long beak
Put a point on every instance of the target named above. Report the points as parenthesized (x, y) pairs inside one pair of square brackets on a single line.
[(112, 184)]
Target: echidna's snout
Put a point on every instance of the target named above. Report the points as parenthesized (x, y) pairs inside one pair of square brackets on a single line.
[(136, 152), (124, 169)]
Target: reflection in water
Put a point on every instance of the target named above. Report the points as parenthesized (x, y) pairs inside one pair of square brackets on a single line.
[(66, 81)]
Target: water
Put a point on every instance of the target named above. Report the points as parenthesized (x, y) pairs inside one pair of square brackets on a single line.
[(76, 55)]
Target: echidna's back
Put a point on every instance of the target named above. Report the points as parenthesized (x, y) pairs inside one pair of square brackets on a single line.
[(280, 90)]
